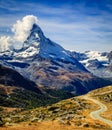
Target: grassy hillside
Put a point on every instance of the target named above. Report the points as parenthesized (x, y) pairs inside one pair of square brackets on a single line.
[(22, 98), (67, 114)]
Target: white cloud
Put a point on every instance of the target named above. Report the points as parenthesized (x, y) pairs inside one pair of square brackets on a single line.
[(22, 27), (5, 43), (21, 31)]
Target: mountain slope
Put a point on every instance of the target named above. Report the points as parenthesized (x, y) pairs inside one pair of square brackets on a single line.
[(12, 78), (17, 91)]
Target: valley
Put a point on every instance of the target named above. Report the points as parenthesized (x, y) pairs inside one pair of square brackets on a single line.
[(73, 113)]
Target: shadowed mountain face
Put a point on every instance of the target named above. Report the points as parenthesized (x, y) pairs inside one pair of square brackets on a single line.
[(10, 77), (51, 66), (17, 91)]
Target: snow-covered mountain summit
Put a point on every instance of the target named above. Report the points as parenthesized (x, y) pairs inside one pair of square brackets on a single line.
[(37, 44)]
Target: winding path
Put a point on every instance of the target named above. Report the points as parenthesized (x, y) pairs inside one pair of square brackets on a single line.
[(96, 114)]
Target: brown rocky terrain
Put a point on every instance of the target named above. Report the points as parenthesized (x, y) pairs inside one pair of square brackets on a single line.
[(68, 114)]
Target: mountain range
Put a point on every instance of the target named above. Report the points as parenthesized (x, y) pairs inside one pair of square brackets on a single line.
[(43, 67), (100, 64)]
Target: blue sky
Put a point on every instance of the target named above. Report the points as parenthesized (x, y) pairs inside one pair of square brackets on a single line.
[(78, 25)]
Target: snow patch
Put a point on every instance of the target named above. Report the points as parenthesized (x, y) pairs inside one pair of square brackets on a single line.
[(28, 52), (92, 55)]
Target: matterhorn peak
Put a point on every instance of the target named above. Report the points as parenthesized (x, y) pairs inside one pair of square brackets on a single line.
[(35, 43), (32, 42), (35, 36)]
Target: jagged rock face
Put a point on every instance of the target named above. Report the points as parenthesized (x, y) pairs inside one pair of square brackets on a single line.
[(110, 57), (72, 80), (95, 64), (50, 65)]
